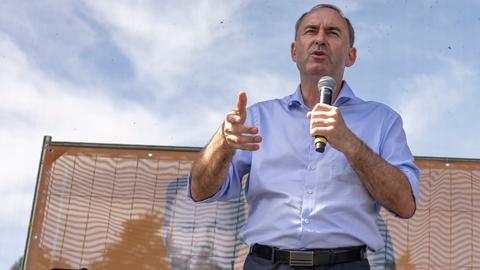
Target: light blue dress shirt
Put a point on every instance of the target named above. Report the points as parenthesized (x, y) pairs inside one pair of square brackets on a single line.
[(301, 199)]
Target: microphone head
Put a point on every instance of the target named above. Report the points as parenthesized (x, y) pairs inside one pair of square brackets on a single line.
[(326, 82)]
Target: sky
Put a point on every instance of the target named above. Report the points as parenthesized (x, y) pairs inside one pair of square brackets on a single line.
[(160, 72)]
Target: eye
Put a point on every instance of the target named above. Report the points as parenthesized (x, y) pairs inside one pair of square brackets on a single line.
[(334, 32), (310, 31)]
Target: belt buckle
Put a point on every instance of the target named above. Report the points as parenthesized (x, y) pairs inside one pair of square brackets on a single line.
[(301, 258), (363, 254)]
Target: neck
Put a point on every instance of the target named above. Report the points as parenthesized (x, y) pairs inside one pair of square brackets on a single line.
[(310, 94)]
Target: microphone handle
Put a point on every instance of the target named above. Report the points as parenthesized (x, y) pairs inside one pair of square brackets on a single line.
[(325, 98), (320, 143)]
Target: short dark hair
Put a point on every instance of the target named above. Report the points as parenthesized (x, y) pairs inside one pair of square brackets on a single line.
[(351, 32)]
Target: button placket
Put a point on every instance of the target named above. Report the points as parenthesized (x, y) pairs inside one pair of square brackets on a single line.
[(310, 172)]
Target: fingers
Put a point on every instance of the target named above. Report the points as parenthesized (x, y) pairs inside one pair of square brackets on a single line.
[(321, 126), (240, 129), (234, 136), (237, 135), (323, 119), (323, 107), (242, 140), (323, 110), (322, 131), (246, 147), (234, 117), (327, 121), (321, 122), (241, 108)]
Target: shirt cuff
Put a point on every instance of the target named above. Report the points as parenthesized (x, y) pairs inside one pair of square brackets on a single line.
[(413, 180), (215, 197)]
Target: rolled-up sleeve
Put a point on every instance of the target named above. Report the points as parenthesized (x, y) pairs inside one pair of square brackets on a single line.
[(394, 149), (232, 184)]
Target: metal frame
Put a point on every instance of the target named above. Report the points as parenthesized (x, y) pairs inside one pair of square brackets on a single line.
[(446, 159), (47, 140), (125, 146)]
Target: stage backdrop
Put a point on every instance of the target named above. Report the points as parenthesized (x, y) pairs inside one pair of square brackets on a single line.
[(103, 206)]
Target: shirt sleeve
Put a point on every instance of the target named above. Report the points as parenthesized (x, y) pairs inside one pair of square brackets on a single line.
[(394, 149), (232, 184)]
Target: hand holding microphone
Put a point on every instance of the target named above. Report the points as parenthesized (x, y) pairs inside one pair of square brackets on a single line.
[(326, 87), (326, 121)]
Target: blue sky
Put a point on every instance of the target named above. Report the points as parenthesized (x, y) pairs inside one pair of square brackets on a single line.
[(166, 72)]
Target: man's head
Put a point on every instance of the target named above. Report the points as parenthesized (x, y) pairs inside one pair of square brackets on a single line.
[(351, 31), (323, 43)]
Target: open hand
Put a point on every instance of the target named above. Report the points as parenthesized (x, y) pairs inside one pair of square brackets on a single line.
[(236, 134)]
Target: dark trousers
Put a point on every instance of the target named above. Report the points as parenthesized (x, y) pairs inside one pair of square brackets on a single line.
[(256, 263)]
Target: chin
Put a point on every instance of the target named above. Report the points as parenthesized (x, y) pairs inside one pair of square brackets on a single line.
[(318, 72)]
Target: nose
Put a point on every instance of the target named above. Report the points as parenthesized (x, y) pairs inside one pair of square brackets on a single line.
[(320, 38)]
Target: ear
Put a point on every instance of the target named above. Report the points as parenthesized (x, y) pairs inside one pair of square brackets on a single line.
[(293, 52), (352, 56)]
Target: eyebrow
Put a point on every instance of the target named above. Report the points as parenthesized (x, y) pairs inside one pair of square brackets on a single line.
[(310, 26), (329, 28)]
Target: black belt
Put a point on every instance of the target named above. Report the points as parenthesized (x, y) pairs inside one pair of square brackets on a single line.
[(316, 257)]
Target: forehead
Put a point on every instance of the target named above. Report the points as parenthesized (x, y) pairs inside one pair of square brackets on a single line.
[(324, 17)]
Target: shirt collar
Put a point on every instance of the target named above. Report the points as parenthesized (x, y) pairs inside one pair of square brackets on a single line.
[(346, 95), (295, 99)]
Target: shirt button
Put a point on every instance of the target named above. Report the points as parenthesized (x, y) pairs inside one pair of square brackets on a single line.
[(309, 191), (311, 167), (306, 221)]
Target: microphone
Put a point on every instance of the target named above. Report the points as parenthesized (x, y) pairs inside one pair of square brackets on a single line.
[(326, 86)]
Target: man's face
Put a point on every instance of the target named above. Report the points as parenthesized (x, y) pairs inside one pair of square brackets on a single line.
[(321, 45)]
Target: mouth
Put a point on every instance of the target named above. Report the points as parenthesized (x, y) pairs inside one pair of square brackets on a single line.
[(319, 51), (319, 54)]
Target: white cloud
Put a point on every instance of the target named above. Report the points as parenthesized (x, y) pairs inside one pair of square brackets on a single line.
[(435, 107), (163, 40), (263, 85)]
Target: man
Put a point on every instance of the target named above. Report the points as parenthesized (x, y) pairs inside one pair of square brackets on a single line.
[(308, 208)]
